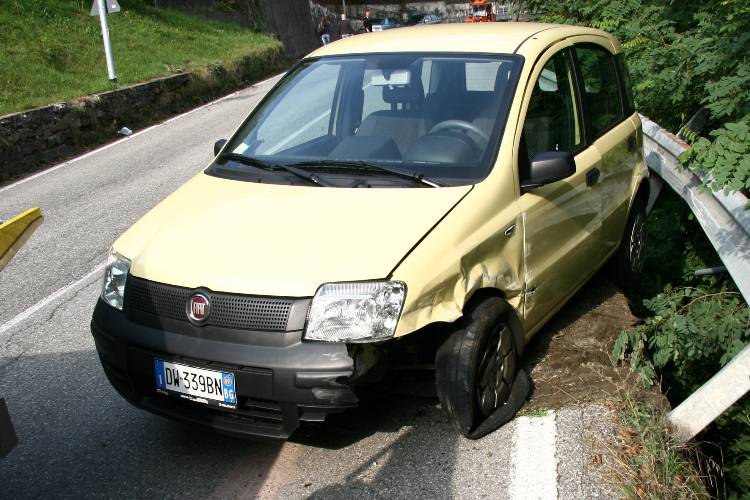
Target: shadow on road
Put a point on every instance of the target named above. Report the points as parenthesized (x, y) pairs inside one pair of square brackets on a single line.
[(78, 438)]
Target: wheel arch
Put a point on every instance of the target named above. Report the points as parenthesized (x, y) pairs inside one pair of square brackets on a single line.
[(643, 191), (511, 315)]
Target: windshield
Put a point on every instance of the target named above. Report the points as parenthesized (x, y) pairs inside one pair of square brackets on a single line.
[(435, 116)]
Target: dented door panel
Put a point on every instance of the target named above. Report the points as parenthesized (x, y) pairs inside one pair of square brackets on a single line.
[(561, 224)]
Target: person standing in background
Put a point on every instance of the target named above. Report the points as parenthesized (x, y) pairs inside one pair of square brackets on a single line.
[(345, 27), (324, 30), (366, 22)]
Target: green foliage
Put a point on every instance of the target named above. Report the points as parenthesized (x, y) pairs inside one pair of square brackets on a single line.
[(689, 335), (682, 56), (727, 158), (687, 328), (52, 49), (693, 325)]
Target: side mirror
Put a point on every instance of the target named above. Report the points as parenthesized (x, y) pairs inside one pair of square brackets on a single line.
[(549, 167), (218, 145)]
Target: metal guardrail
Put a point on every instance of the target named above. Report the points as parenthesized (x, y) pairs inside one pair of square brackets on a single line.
[(726, 222), (723, 217)]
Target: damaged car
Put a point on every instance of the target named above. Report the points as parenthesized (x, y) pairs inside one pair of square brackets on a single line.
[(427, 198)]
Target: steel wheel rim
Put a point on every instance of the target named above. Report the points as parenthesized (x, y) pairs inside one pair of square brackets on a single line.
[(490, 372)]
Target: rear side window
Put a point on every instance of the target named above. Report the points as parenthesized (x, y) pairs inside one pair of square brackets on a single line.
[(601, 91), (626, 84)]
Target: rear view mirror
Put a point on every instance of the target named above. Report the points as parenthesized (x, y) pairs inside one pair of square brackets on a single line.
[(218, 145), (549, 167), (384, 77)]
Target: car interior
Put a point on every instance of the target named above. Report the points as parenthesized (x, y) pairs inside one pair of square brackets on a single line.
[(430, 116)]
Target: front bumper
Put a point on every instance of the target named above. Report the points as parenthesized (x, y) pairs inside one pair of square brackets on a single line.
[(279, 379)]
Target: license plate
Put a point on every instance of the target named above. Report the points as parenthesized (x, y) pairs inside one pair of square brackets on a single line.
[(196, 384)]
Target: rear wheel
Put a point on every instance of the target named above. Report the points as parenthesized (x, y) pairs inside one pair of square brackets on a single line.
[(630, 257), (476, 366)]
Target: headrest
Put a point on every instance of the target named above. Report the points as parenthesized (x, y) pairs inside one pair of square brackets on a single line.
[(407, 94)]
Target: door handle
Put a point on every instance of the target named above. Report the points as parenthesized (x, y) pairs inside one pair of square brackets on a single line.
[(632, 144), (592, 176)]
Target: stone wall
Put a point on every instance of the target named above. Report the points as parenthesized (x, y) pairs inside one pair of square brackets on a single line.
[(33, 139), (291, 22)]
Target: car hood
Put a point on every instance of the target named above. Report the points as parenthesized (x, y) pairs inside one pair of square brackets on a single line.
[(265, 239)]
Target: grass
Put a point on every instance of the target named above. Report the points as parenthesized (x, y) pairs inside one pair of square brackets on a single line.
[(647, 462), (52, 49), (533, 412)]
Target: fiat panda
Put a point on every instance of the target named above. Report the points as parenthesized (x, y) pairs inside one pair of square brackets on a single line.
[(426, 197)]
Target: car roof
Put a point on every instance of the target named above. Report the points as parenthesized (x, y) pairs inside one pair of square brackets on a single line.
[(500, 38)]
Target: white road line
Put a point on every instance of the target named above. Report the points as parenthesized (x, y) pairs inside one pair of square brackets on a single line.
[(20, 318), (124, 139), (534, 461)]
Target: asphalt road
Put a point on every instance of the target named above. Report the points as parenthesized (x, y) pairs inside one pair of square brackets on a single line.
[(78, 438)]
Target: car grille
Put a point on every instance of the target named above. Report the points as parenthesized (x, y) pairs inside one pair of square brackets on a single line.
[(243, 312)]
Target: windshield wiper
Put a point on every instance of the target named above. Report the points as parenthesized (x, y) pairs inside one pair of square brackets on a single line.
[(264, 165), (361, 165)]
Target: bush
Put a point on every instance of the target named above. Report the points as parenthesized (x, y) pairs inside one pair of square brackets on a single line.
[(693, 325), (688, 328)]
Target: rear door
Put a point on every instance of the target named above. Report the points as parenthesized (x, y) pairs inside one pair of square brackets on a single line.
[(560, 220), (613, 134)]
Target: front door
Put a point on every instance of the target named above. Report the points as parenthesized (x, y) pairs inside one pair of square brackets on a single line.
[(560, 220), (613, 135)]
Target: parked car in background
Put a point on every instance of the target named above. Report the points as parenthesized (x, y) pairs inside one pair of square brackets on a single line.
[(412, 200), (358, 26), (423, 19), (384, 23)]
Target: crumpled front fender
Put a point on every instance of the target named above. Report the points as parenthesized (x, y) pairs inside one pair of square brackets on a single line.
[(475, 246)]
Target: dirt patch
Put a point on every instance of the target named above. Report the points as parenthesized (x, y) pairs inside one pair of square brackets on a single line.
[(569, 359)]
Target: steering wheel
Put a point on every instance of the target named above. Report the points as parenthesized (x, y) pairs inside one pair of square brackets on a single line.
[(469, 127)]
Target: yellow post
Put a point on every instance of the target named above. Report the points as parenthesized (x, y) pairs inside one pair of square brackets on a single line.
[(15, 232)]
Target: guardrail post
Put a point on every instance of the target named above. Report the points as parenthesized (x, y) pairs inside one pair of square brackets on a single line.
[(713, 398)]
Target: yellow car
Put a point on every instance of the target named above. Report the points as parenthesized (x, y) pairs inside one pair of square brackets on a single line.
[(418, 198)]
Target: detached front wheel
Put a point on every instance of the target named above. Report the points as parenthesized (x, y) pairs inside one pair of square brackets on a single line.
[(476, 366)]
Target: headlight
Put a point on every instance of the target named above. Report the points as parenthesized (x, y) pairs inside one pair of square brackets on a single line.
[(115, 274), (355, 312)]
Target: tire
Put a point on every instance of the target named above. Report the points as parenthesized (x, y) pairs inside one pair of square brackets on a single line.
[(630, 257), (475, 367)]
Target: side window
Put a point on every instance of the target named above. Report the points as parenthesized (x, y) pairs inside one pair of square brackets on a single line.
[(552, 120), (601, 92), (626, 84)]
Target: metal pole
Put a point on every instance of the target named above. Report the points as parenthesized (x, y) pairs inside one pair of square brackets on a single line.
[(343, 6), (105, 38), (713, 398)]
